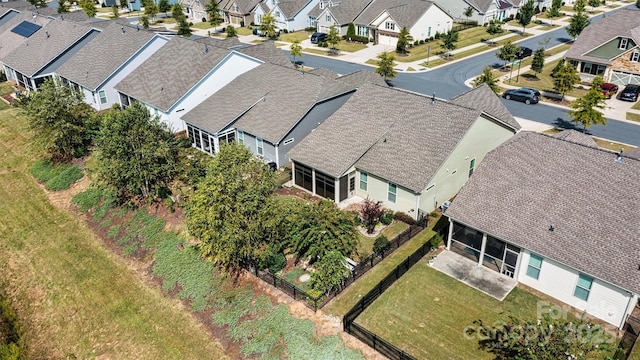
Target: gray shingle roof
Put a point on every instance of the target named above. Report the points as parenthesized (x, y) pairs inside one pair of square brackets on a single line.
[(269, 99), (244, 6), (624, 22), (96, 61), (321, 71), (40, 49), (405, 13), (291, 7), (576, 137), (481, 5), (9, 40), (391, 133), (484, 99), (172, 71), (267, 52), (535, 180), (633, 153), (347, 10), (360, 77)]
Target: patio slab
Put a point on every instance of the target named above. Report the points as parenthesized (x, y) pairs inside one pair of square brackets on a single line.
[(481, 278)]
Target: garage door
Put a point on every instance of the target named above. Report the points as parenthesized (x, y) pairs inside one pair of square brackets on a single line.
[(624, 78), (387, 40)]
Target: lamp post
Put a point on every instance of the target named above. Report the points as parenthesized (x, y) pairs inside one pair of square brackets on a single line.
[(518, 76), (428, 53)]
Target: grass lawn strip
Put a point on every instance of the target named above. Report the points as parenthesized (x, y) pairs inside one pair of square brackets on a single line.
[(75, 299)]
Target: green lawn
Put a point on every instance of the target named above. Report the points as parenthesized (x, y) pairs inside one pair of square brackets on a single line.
[(633, 116), (349, 297), (293, 36), (543, 81), (611, 145), (426, 312), (75, 299), (202, 26), (366, 242)]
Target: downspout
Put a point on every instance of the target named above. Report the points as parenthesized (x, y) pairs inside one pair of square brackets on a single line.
[(626, 310)]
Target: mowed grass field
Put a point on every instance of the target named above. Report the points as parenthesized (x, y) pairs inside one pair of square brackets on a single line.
[(74, 298)]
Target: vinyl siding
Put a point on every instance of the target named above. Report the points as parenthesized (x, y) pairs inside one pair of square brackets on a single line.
[(377, 190), (434, 17)]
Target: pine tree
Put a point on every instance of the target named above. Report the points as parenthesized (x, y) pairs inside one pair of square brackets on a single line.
[(526, 13), (537, 64), (351, 31), (566, 78), (385, 66), (487, 78), (404, 39)]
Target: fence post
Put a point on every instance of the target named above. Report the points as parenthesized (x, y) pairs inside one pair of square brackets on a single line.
[(275, 283)]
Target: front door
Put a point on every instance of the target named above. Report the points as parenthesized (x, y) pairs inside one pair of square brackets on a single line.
[(510, 262)]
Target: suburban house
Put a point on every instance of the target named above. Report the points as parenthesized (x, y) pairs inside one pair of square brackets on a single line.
[(238, 12), (341, 13), (382, 20), (273, 109), (195, 9), (549, 213), (410, 151), (13, 28), (290, 15), (95, 73), (609, 48), (483, 10), (183, 73), (45, 50)]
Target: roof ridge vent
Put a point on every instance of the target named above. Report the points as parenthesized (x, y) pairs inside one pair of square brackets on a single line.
[(619, 156)]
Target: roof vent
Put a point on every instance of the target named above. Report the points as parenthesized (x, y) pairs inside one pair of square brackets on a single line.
[(619, 156), (122, 29), (206, 49), (433, 98), (551, 227), (47, 34)]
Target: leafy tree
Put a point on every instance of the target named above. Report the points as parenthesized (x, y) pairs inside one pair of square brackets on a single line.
[(494, 28), (184, 28), (585, 109), (566, 78), (449, 41), (579, 21), (404, 39), (89, 7), (144, 20), (213, 11), (114, 12), (150, 8), (63, 7), (579, 6), (546, 338), (124, 4), (385, 66), (268, 25), (231, 31), (330, 272), (594, 3), (487, 78), (526, 13), (638, 3), (321, 228), (333, 37), (40, 3), (554, 10), (507, 52), (164, 6), (62, 123), (225, 212), (295, 50), (176, 12), (468, 12), (351, 31), (137, 156), (537, 64), (370, 213), (556, 69)]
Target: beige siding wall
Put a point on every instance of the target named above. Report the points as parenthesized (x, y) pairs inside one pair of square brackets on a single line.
[(483, 136), (377, 190)]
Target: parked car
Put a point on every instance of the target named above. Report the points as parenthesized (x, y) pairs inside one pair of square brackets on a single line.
[(523, 53), (256, 31), (630, 93), (609, 90), (526, 95), (318, 37)]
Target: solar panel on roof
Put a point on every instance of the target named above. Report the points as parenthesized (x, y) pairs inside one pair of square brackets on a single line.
[(26, 28)]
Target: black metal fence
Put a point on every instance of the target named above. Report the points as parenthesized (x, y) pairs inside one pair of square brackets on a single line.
[(368, 337), (360, 269), (629, 338)]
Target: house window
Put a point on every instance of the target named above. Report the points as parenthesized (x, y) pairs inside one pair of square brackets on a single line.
[(429, 31), (430, 187), (390, 26), (635, 56), (259, 146), (240, 136), (583, 287), (312, 21), (277, 14), (472, 166), (535, 263), (328, 18), (235, 7), (363, 181), (103, 96), (623, 44), (363, 31), (321, 5), (391, 192)]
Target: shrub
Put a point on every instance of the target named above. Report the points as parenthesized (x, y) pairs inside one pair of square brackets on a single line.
[(404, 217), (275, 261), (380, 244), (324, 44), (387, 217), (436, 241), (64, 179), (168, 202), (416, 43), (204, 20), (433, 214), (310, 29), (371, 213), (87, 199), (3, 76)]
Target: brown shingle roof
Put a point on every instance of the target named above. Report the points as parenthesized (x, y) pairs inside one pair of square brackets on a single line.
[(484, 99), (576, 137), (359, 77), (347, 10), (536, 180)]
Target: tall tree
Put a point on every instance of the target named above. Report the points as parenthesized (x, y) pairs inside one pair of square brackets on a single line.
[(144, 21), (385, 65), (164, 6), (213, 11), (114, 12), (231, 31), (63, 7), (268, 25), (89, 7), (468, 12), (537, 64), (150, 8), (124, 4), (579, 6), (594, 4), (507, 52), (225, 212), (331, 272), (494, 28), (176, 12), (554, 10), (579, 21), (404, 39), (333, 37), (184, 28), (487, 78), (526, 13), (546, 338), (40, 3), (566, 78), (449, 40), (585, 109), (295, 50), (62, 123), (351, 31), (137, 156), (556, 69)]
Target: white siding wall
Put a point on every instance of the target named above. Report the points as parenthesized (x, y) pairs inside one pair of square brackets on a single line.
[(301, 19), (605, 301), (434, 17), (377, 190)]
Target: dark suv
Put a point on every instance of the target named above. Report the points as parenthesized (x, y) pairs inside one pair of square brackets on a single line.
[(318, 37), (526, 95), (630, 93), (523, 53)]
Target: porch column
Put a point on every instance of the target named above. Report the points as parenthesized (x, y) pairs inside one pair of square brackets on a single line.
[(293, 172), (450, 234), (336, 192), (313, 181), (216, 144), (482, 248)]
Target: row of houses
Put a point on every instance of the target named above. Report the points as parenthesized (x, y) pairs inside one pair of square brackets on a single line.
[(554, 213)]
